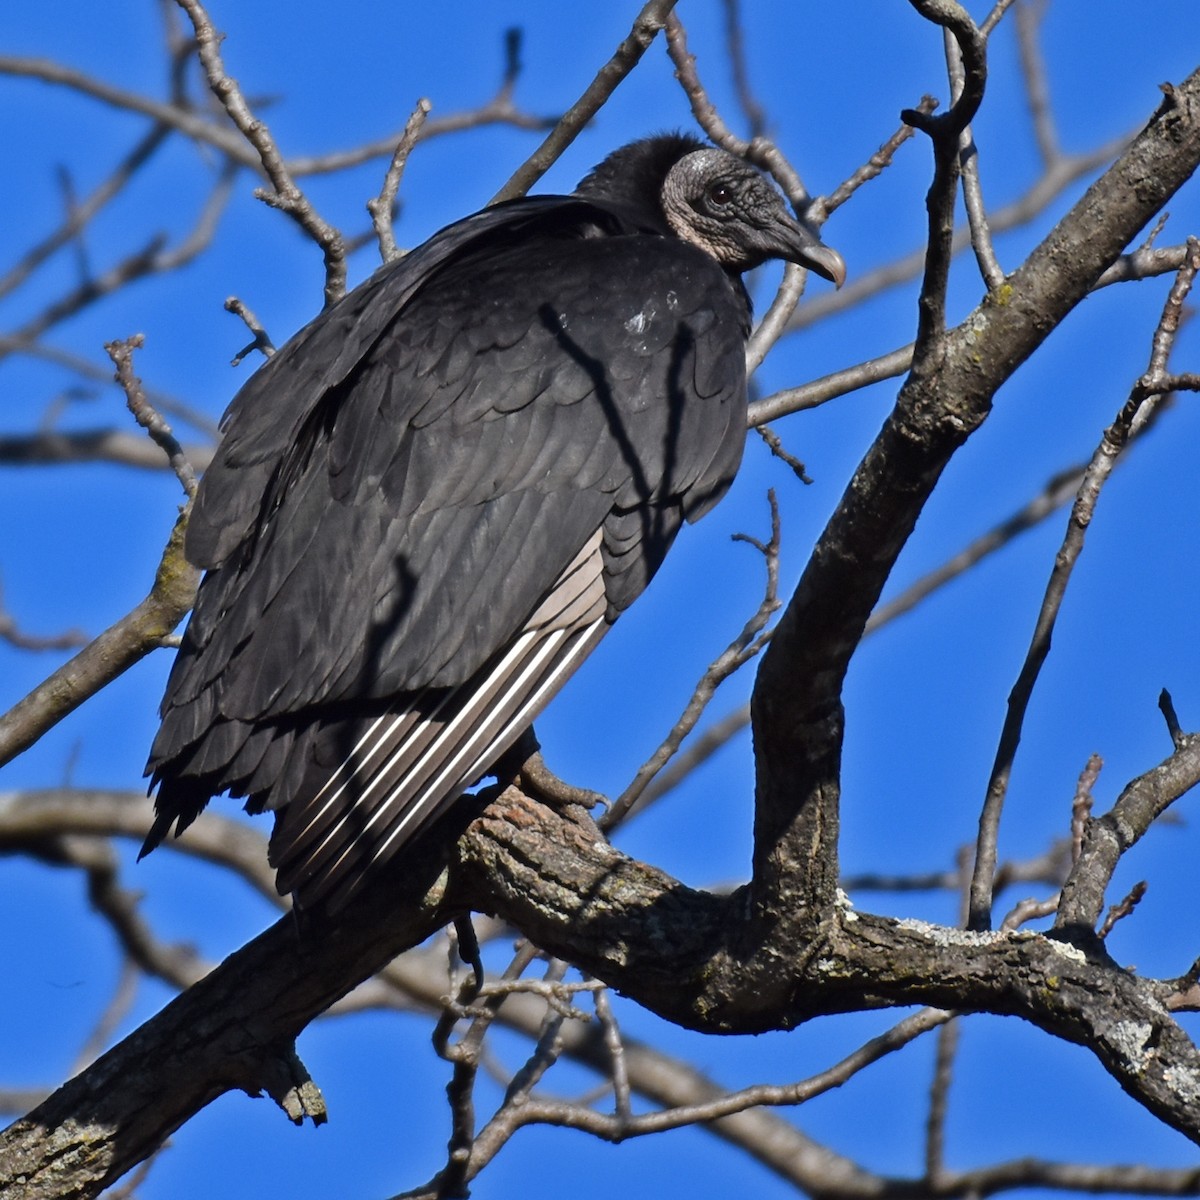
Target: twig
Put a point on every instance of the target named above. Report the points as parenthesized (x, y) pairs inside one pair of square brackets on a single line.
[(968, 165), (1106, 838), (1144, 263), (144, 413), (612, 1128), (645, 29), (1081, 804), (1118, 912), (775, 445), (622, 1108), (830, 387), (876, 164), (286, 196), (382, 206), (262, 340), (470, 1153), (994, 17), (1029, 910), (1037, 91), (944, 131), (744, 647), (699, 750), (1167, 707)]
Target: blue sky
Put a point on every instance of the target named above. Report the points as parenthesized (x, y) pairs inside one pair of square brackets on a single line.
[(925, 697)]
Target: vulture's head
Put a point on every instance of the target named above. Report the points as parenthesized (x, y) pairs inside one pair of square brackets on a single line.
[(712, 199)]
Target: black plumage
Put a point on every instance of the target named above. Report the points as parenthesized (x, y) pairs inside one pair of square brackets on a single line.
[(429, 506)]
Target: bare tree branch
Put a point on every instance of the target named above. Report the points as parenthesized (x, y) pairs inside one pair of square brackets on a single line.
[(381, 207), (1146, 392), (286, 195), (645, 29)]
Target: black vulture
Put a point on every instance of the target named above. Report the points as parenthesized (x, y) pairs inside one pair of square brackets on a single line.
[(429, 506)]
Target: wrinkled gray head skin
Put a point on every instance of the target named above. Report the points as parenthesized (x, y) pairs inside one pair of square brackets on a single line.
[(732, 211)]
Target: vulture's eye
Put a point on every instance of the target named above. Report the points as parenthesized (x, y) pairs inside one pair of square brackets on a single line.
[(720, 194)]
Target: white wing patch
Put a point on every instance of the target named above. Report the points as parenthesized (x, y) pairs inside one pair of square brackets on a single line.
[(412, 763)]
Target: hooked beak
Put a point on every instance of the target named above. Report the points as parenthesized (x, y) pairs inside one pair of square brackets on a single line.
[(799, 244)]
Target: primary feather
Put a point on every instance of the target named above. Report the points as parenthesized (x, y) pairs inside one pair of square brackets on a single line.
[(429, 506)]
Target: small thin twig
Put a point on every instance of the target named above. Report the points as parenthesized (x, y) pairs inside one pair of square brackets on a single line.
[(1118, 912), (968, 166), (972, 188), (121, 353), (612, 1128), (777, 448), (1029, 910), (1106, 838), (744, 647), (646, 27), (383, 206), (286, 195), (876, 164), (622, 1109), (945, 131), (1037, 91), (830, 387), (1082, 802), (262, 341), (1167, 707), (756, 117)]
